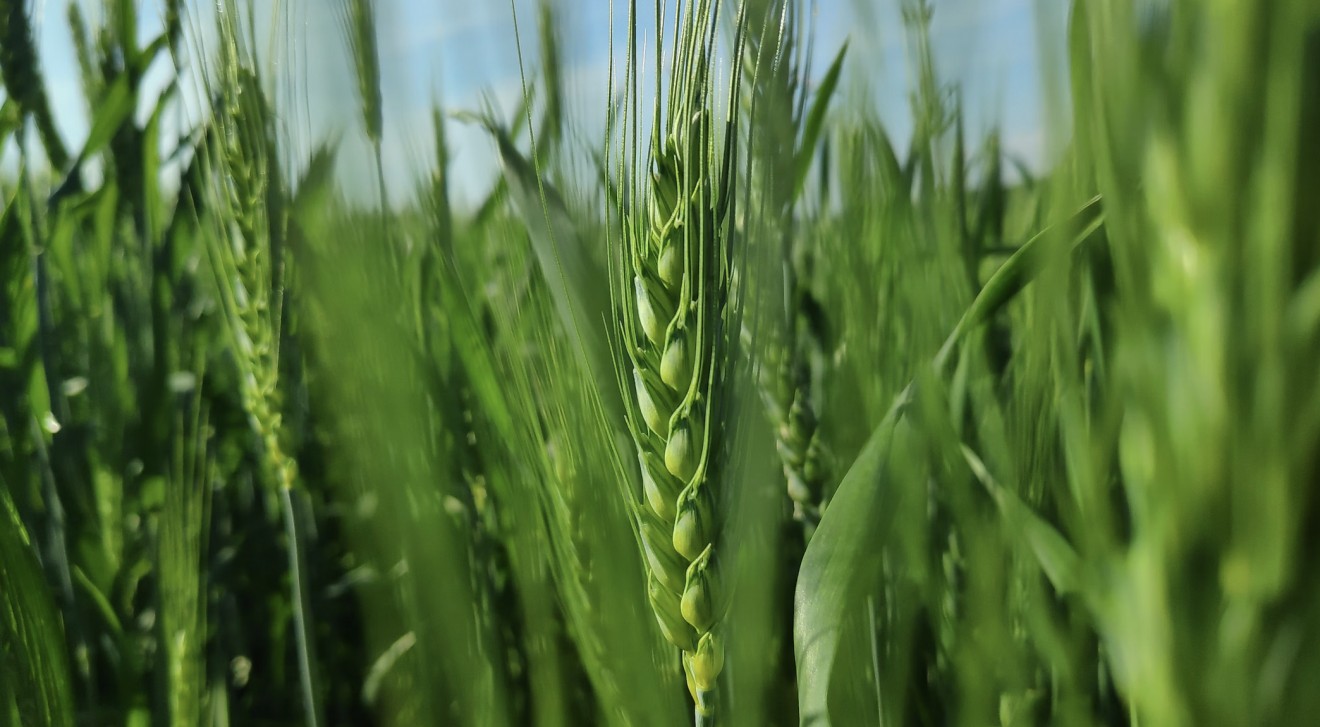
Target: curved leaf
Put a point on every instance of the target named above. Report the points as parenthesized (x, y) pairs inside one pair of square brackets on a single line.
[(1055, 555), (577, 284), (1021, 268), (815, 120), (112, 110), (838, 567)]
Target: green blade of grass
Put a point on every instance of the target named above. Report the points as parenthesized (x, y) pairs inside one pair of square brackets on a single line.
[(573, 277), (839, 564), (1055, 555), (32, 657), (815, 121), (1019, 270)]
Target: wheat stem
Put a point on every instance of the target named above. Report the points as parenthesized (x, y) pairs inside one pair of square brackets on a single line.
[(301, 615)]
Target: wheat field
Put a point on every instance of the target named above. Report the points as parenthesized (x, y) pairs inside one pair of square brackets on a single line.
[(740, 381)]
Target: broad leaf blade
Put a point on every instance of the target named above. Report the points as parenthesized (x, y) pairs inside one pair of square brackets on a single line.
[(838, 567)]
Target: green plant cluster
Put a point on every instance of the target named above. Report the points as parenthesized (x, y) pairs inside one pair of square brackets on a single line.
[(741, 394)]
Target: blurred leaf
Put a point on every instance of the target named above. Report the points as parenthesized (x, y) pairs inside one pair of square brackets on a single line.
[(109, 113), (98, 599), (1056, 557), (815, 120), (148, 54), (383, 664), (317, 183), (390, 458), (1020, 269), (578, 286), (32, 656), (898, 183), (10, 118), (841, 562), (113, 109), (150, 171)]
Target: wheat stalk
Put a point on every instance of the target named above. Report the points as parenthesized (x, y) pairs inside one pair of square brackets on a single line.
[(180, 553), (778, 102), (246, 257), (677, 310)]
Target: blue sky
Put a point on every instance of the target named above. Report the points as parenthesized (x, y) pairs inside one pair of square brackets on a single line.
[(463, 53)]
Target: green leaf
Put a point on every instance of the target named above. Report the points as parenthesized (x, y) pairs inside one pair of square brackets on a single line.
[(1020, 269), (99, 602), (476, 355), (316, 184), (124, 21), (32, 657), (578, 286), (114, 108), (897, 182), (384, 664), (148, 55), (373, 370), (151, 198), (1056, 556), (838, 568), (815, 120), (10, 118)]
